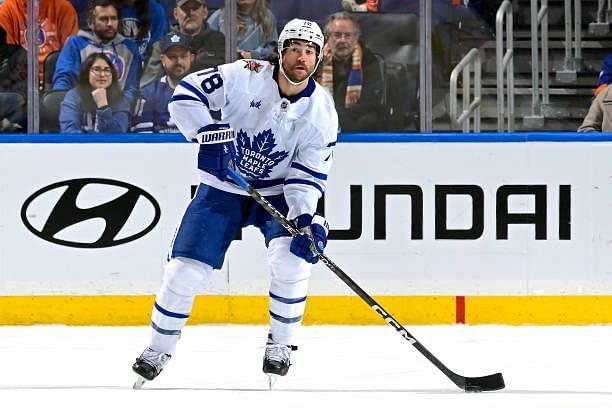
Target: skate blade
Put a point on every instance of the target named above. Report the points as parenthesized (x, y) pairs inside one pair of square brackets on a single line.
[(139, 382), (272, 378)]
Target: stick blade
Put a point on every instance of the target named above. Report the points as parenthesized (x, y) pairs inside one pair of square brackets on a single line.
[(491, 382)]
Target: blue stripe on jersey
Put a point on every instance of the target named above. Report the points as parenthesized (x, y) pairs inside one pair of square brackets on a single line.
[(169, 313), (321, 176), (184, 98), (285, 319), (288, 301), (164, 331), (306, 182), (332, 144), (195, 90)]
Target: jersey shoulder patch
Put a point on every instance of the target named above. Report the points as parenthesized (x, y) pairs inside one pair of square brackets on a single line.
[(253, 65)]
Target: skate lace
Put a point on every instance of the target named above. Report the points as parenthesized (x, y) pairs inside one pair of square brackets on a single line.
[(277, 352), (155, 358)]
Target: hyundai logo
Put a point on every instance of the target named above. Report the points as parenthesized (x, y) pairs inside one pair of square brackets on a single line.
[(90, 213)]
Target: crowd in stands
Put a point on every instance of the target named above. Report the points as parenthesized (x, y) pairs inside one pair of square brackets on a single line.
[(257, 34), (207, 44), (119, 61), (102, 36), (352, 74), (96, 103), (176, 60), (58, 22), (13, 86)]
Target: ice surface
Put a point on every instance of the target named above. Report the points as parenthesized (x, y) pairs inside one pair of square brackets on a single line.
[(337, 366)]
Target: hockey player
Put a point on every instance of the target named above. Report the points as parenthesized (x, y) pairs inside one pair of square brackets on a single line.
[(278, 127)]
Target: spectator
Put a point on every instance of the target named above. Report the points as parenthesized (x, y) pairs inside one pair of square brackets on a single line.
[(207, 44), (361, 6), (142, 21), (599, 117), (58, 21), (13, 85), (352, 74), (176, 59), (257, 35), (103, 22), (605, 76), (97, 103)]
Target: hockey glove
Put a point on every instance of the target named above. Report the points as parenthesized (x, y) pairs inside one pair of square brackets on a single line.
[(215, 157), (312, 229)]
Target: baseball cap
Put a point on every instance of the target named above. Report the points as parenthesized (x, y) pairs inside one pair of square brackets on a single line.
[(174, 39), (179, 3)]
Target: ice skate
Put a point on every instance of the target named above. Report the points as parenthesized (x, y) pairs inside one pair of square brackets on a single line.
[(148, 366), (277, 360)]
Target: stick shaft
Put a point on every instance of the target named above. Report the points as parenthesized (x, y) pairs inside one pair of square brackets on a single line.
[(238, 179)]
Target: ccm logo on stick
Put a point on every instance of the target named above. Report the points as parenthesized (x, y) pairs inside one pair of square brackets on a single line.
[(90, 213), (393, 323)]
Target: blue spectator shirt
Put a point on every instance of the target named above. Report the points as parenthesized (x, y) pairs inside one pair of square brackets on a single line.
[(121, 51), (112, 119), (152, 112)]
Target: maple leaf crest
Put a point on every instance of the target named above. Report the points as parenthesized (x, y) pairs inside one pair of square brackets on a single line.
[(257, 158)]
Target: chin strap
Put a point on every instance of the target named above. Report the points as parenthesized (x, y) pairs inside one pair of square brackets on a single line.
[(280, 67)]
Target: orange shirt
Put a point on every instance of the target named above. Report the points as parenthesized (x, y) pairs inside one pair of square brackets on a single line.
[(58, 21)]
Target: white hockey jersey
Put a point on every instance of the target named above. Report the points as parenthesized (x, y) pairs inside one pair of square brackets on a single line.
[(283, 144)]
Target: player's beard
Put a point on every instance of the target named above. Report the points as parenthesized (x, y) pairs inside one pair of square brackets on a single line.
[(295, 74)]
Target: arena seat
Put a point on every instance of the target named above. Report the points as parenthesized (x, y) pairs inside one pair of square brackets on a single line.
[(395, 37), (49, 70), (50, 104)]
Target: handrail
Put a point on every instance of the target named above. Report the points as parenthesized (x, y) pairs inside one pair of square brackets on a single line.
[(601, 16), (505, 63), (539, 17), (572, 63), (471, 59), (601, 25), (578, 35)]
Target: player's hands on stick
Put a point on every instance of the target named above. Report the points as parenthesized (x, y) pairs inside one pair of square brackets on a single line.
[(217, 150), (313, 230)]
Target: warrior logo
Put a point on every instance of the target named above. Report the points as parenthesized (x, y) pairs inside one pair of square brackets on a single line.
[(257, 158)]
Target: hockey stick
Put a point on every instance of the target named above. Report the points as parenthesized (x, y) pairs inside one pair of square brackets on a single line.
[(491, 382)]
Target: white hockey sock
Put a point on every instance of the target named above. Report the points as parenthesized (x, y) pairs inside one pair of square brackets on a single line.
[(288, 289), (170, 314), (287, 304), (183, 278)]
